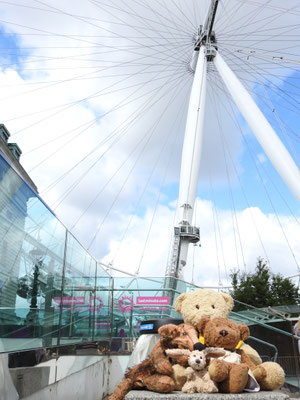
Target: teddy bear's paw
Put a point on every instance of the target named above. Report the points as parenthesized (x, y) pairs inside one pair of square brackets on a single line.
[(259, 373), (159, 383), (114, 397), (164, 367), (274, 376), (218, 370), (238, 378), (189, 387), (208, 387), (179, 376)]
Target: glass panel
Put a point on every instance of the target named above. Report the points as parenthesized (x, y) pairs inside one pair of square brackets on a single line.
[(102, 308), (77, 303), (31, 260), (140, 299)]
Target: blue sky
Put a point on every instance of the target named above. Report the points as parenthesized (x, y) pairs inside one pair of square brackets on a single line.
[(98, 175)]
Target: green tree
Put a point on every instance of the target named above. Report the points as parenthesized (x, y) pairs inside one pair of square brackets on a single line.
[(262, 288)]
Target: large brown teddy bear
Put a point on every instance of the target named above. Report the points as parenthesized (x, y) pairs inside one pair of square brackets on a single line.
[(209, 303), (223, 332), (156, 372), (232, 375)]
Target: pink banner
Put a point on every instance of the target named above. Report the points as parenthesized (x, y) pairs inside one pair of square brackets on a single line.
[(70, 301), (157, 300)]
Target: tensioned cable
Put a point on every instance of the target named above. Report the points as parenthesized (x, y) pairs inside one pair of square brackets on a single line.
[(159, 194), (134, 114), (280, 92), (270, 200), (280, 124), (80, 16), (99, 228), (218, 228), (94, 95), (119, 64), (266, 21), (88, 22), (275, 8), (90, 123), (233, 210), (236, 122), (271, 88), (272, 204), (215, 228), (151, 175), (98, 159)]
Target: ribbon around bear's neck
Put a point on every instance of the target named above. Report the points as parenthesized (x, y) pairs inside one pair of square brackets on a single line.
[(202, 341)]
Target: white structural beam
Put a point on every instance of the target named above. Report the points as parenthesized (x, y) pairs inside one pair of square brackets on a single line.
[(190, 163), (265, 134), (192, 145)]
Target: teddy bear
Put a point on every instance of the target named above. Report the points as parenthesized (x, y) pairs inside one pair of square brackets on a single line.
[(227, 334), (198, 379), (207, 302), (156, 372)]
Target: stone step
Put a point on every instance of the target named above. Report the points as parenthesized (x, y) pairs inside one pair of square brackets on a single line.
[(147, 395)]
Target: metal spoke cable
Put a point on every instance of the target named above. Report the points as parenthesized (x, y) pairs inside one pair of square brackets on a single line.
[(218, 228), (152, 130), (92, 96), (92, 122), (179, 113), (269, 198), (158, 197), (136, 116), (232, 115), (233, 209)]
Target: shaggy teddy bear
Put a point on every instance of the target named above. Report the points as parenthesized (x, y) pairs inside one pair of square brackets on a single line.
[(198, 379), (225, 333), (156, 372), (206, 302)]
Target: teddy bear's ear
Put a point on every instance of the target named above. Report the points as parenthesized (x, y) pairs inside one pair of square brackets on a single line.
[(229, 301), (178, 302), (201, 324), (245, 333), (168, 331)]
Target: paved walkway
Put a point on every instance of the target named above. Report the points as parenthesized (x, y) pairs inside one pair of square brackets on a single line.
[(147, 395)]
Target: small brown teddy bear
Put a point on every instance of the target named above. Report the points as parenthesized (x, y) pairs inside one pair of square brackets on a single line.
[(156, 372), (210, 303), (198, 379), (225, 333)]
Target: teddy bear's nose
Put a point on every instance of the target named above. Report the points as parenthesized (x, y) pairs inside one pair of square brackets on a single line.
[(223, 332), (198, 361)]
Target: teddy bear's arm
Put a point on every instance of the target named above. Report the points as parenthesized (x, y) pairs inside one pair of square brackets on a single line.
[(122, 389), (246, 359), (189, 372), (160, 360), (252, 354), (183, 361)]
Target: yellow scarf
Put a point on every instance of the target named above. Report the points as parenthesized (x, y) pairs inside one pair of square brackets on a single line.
[(202, 340)]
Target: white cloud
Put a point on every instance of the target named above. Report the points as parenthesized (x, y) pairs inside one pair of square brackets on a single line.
[(260, 235), (82, 60), (261, 158)]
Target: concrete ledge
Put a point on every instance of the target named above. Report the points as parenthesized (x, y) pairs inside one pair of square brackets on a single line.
[(29, 380), (147, 395)]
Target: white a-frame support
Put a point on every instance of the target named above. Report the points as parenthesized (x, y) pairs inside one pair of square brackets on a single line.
[(184, 232), (191, 152), (265, 134)]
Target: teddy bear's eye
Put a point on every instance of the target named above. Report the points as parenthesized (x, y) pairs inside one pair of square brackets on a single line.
[(184, 333), (194, 355), (197, 306), (213, 306)]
